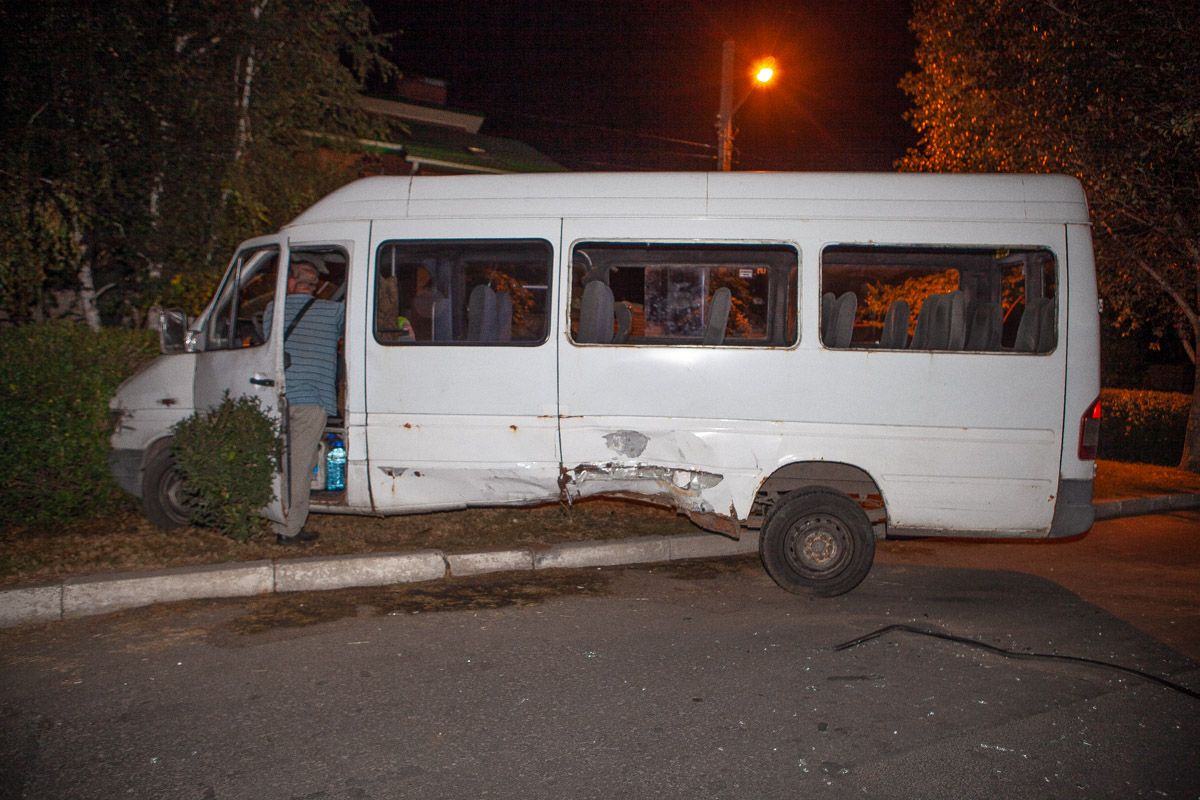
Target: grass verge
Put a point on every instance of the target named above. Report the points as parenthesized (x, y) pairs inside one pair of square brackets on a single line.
[(126, 541)]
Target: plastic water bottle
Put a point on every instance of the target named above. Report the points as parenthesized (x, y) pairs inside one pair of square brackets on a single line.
[(335, 465)]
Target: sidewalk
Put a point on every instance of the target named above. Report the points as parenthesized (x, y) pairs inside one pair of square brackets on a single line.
[(101, 594)]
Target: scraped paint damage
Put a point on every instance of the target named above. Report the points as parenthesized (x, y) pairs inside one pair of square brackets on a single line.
[(630, 444), (653, 467), (657, 467)]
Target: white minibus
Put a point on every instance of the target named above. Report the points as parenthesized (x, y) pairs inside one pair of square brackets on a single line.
[(826, 358)]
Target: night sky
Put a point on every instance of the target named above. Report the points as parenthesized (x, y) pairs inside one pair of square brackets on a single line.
[(609, 85)]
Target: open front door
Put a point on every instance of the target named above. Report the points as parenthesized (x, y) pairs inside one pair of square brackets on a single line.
[(238, 354)]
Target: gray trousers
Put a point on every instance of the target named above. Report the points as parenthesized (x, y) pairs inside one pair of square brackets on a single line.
[(305, 426)]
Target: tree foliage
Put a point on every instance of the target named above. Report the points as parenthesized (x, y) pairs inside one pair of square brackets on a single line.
[(142, 139), (1101, 89), (880, 295)]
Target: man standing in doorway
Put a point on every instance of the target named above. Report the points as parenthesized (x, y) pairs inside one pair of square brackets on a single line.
[(313, 327)]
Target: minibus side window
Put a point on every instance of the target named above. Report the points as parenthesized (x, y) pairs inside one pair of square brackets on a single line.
[(929, 298), (683, 294), (237, 316), (462, 292)]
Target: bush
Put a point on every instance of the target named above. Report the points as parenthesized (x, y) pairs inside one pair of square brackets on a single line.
[(55, 383), (228, 456), (1141, 426)]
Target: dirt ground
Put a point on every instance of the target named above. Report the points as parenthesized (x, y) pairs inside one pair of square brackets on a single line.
[(127, 541)]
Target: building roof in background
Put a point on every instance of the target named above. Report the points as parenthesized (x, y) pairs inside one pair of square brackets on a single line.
[(412, 112), (443, 140)]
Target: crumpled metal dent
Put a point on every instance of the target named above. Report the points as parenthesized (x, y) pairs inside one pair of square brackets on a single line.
[(684, 486), (688, 480)]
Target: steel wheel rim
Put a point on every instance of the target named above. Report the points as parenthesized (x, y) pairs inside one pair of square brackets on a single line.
[(818, 544), (174, 495)]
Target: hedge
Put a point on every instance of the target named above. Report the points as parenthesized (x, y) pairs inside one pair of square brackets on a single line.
[(55, 383), (1142, 426), (228, 456)]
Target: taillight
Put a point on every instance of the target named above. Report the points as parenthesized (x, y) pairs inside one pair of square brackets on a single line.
[(1089, 432)]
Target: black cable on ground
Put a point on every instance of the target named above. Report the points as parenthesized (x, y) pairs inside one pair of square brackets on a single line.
[(1019, 655)]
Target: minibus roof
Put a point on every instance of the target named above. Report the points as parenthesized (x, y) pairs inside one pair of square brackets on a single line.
[(755, 195)]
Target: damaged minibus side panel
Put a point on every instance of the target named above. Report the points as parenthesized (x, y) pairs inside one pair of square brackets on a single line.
[(669, 325), (714, 373)]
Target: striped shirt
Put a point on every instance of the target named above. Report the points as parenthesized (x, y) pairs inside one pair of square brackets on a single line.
[(311, 380)]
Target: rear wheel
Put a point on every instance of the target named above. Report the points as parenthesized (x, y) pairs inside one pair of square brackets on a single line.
[(817, 541), (163, 498)]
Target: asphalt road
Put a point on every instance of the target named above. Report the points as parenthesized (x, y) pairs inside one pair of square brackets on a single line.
[(695, 680), (1145, 570)]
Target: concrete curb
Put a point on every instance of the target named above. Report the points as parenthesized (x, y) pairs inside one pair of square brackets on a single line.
[(101, 594), (461, 564), (42, 603), (370, 569), (1138, 506), (573, 555)]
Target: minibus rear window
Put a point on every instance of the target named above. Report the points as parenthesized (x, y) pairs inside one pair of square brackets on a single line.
[(683, 294), (928, 298), (462, 292)]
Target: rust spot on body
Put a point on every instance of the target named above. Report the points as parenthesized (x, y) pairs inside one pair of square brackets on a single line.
[(870, 502)]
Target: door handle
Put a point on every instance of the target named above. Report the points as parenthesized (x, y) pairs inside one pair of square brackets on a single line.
[(259, 380)]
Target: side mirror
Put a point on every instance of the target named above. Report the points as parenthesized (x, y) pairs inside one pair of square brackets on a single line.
[(172, 330)]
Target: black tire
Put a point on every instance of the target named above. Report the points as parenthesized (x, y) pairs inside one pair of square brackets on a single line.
[(818, 542), (162, 498)]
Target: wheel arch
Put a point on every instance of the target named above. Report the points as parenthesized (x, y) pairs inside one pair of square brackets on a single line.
[(848, 479), (153, 448)]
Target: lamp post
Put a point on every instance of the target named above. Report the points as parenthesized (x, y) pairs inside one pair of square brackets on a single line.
[(764, 73)]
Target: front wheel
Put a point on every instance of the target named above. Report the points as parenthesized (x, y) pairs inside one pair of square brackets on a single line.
[(163, 498), (817, 541)]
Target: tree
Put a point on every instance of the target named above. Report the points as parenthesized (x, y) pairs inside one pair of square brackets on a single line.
[(1101, 89), (881, 295), (143, 138)]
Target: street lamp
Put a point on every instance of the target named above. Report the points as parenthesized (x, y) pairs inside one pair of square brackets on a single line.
[(764, 73)]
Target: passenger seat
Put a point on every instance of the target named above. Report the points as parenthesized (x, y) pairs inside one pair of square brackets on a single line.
[(718, 316)]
